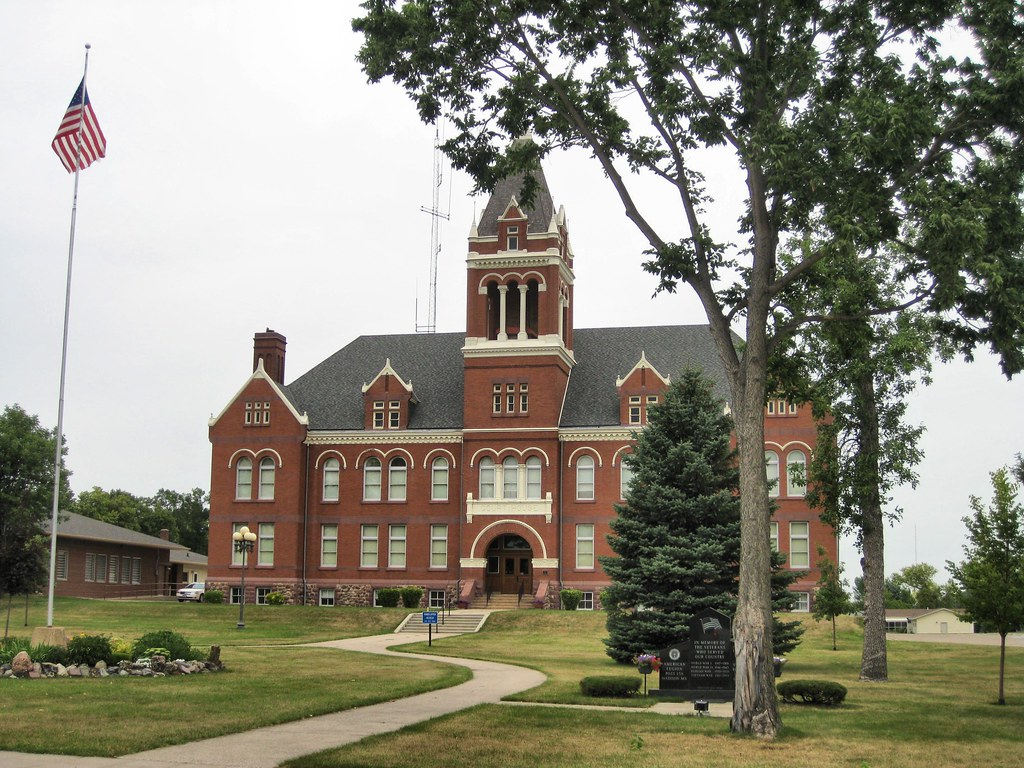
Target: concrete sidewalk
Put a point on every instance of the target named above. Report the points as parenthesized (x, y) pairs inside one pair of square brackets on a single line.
[(268, 747)]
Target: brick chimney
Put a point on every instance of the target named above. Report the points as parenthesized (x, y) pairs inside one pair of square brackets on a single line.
[(269, 347), (165, 534)]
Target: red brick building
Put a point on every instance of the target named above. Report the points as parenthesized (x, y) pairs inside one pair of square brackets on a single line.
[(468, 464)]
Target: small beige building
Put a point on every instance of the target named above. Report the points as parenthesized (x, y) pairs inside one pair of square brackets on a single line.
[(926, 621)]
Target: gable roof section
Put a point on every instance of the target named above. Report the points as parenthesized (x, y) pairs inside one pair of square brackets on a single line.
[(539, 212), (72, 525), (260, 373), (331, 392), (604, 354)]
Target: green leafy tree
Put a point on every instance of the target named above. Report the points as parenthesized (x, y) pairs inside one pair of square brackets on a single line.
[(676, 538), (992, 575), (27, 453), (830, 598), (847, 127), (116, 507), (920, 581), (187, 516)]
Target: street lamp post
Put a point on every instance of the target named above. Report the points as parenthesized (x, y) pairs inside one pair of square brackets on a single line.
[(244, 540)]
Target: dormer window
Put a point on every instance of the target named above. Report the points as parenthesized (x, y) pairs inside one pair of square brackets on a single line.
[(378, 414), (394, 414), (512, 239)]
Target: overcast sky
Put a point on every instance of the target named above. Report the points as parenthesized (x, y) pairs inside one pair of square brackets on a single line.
[(254, 180)]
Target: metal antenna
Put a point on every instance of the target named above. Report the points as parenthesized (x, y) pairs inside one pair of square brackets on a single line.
[(436, 215)]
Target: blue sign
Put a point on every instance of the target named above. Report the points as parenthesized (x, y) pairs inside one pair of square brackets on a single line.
[(430, 617)]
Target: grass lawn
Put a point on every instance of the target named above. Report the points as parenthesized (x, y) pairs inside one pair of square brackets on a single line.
[(937, 710), (262, 685)]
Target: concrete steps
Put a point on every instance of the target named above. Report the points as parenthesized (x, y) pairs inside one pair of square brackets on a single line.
[(453, 623)]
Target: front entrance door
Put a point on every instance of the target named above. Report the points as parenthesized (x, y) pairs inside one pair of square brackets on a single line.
[(509, 566)]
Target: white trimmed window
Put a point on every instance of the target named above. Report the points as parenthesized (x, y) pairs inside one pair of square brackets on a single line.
[(510, 478), (625, 477), (332, 473), (371, 479), (394, 414), (329, 545), (635, 410), (487, 478), (533, 477), (513, 237), (799, 545), (327, 597), (396, 546), (439, 480), (243, 478), (261, 595), (266, 478), (368, 546), (62, 565), (524, 398), (378, 414), (265, 553), (771, 464), (585, 478), (773, 535), (436, 598), (586, 602), (236, 595), (803, 602), (438, 546), (585, 546), (496, 398), (796, 473), (397, 478)]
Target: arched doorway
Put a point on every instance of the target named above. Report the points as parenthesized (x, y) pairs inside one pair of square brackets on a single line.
[(509, 566)]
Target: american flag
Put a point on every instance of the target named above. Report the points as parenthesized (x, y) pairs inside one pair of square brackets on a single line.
[(79, 140)]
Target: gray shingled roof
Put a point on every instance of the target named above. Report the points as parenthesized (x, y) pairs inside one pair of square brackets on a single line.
[(331, 392), (539, 212), (75, 526)]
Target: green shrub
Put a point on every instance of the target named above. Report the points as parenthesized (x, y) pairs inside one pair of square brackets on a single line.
[(571, 599), (412, 597), (11, 647), (50, 654), (610, 686), (214, 596), (177, 647), (388, 597), (822, 692), (276, 598), (88, 649)]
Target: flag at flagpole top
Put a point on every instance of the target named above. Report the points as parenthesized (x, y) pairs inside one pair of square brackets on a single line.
[(79, 141)]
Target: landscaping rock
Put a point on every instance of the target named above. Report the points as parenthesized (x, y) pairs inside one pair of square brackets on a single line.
[(62, 671), (21, 664)]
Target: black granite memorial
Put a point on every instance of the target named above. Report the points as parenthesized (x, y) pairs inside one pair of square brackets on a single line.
[(703, 667)]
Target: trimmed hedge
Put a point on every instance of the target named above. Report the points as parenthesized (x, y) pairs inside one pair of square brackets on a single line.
[(412, 597), (821, 692), (571, 599), (214, 596), (388, 597), (276, 598), (610, 686)]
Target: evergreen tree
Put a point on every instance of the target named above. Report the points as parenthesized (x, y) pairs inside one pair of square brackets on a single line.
[(677, 536), (830, 599), (785, 634)]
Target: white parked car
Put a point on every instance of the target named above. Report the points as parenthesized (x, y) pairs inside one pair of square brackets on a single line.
[(193, 591)]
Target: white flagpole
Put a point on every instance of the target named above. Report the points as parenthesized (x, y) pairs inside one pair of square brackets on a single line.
[(59, 437)]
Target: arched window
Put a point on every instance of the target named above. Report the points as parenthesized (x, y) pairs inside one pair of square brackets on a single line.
[(243, 478), (796, 473), (487, 478), (625, 477), (371, 479), (533, 490), (510, 478), (771, 463), (585, 478), (266, 478), (397, 480), (439, 480), (332, 470)]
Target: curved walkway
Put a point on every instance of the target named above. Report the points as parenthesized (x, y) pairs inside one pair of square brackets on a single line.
[(268, 747)]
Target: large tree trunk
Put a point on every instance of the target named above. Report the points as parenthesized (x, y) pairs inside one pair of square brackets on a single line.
[(755, 706), (874, 665)]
